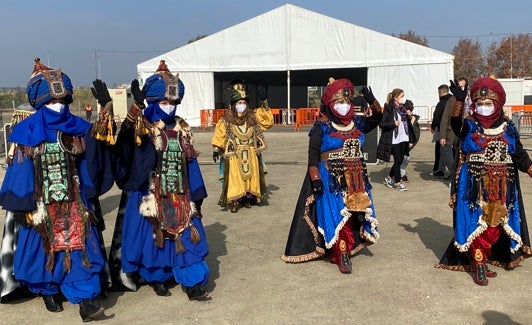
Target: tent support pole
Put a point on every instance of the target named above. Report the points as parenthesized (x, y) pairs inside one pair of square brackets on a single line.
[(289, 116)]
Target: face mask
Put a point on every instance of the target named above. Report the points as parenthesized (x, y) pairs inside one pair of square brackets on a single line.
[(485, 110), (240, 108), (168, 109), (342, 109), (56, 107)]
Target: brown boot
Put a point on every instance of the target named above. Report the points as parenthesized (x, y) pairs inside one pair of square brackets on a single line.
[(479, 265)]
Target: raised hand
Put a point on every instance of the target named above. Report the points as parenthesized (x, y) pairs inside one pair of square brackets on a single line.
[(138, 95), (459, 93), (368, 94), (100, 92)]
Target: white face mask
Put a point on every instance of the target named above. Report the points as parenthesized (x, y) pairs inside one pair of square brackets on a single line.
[(240, 108), (56, 107), (485, 110), (168, 109), (342, 109)]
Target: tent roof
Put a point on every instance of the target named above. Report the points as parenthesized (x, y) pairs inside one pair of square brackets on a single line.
[(293, 38)]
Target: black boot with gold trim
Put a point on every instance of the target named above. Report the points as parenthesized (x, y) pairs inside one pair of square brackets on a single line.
[(480, 268), (234, 207), (344, 264)]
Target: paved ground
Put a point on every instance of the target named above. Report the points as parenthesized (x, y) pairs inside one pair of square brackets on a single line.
[(393, 281)]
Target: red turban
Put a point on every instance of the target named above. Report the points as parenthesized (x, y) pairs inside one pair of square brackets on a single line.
[(488, 88), (332, 88)]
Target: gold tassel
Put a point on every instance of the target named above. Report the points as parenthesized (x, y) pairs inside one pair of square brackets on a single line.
[(67, 261), (194, 234), (110, 138), (179, 248), (85, 260), (50, 261)]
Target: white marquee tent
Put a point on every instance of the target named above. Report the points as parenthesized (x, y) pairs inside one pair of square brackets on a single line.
[(290, 40)]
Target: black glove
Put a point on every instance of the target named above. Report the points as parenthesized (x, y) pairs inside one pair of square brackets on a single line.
[(368, 94), (458, 92), (317, 186), (262, 94), (215, 156), (100, 92), (138, 95)]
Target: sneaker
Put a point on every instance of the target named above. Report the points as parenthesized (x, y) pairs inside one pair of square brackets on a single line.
[(388, 182), (401, 187), (404, 179), (438, 173)]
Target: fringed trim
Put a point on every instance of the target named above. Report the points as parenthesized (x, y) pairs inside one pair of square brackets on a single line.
[(373, 235), (39, 215), (319, 252), (50, 261), (179, 248), (511, 233), (67, 261), (194, 234), (461, 268), (480, 229), (346, 215)]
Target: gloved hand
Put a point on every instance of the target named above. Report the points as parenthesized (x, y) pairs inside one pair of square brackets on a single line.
[(215, 156), (459, 93), (100, 92), (368, 94), (262, 94), (317, 186), (138, 95)]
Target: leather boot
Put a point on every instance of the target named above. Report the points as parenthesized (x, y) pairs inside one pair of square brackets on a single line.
[(479, 265), (161, 290), (247, 205), (234, 207), (51, 304), (89, 310), (195, 293)]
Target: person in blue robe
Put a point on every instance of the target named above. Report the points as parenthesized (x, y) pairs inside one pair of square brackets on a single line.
[(56, 171), (159, 234), (489, 220), (335, 214)]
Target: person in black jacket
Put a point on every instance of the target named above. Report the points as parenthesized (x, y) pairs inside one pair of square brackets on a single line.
[(414, 119), (397, 135), (443, 93)]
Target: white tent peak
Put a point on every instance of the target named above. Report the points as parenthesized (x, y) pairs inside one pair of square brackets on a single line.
[(291, 37)]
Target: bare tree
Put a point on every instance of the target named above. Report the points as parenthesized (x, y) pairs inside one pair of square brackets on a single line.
[(411, 36), (196, 38), (468, 59), (511, 57)]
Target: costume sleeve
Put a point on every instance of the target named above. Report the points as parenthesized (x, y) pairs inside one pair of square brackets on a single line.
[(218, 138), (132, 163), (521, 157), (459, 126), (264, 117), (98, 166), (372, 121), (18, 186), (314, 145)]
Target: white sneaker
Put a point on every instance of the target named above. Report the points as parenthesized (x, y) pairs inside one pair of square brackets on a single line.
[(388, 181), (401, 187)]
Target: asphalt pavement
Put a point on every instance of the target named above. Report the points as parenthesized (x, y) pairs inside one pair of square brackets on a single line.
[(393, 281)]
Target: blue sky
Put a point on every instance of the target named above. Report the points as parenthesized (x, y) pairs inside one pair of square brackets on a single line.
[(113, 36)]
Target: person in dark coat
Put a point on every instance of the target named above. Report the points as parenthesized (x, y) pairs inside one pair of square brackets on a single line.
[(443, 93), (396, 136)]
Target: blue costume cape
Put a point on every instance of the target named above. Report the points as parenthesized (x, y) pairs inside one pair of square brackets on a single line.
[(133, 249), (16, 194)]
